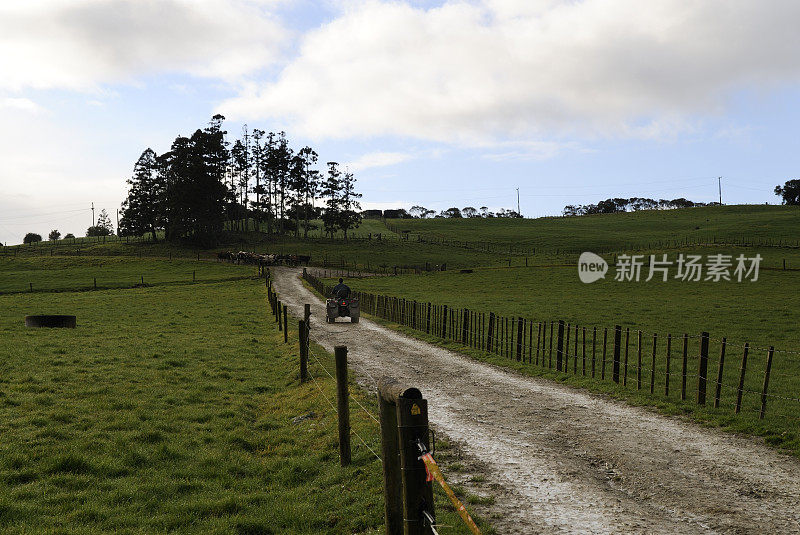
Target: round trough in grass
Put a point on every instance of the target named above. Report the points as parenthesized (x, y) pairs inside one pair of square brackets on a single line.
[(51, 320)]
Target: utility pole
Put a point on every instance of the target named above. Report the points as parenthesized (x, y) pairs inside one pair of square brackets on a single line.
[(719, 181), (92, 214), (518, 210)]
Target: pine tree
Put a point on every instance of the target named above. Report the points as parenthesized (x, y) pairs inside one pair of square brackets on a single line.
[(331, 190), (349, 216), (304, 186), (142, 210)]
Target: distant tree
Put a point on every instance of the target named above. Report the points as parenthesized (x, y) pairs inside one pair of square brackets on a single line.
[(372, 214), (332, 189), (508, 213), (143, 209), (195, 195), (349, 215), (104, 221), (789, 193), (469, 211), (399, 213), (281, 158), (421, 212), (680, 203), (69, 236), (259, 189), (103, 227), (485, 212), (452, 213), (607, 207), (97, 231), (54, 235), (305, 184), (571, 210), (32, 237)]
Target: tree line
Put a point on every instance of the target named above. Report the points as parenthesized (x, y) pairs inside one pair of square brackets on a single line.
[(420, 212), (634, 204), (204, 183)]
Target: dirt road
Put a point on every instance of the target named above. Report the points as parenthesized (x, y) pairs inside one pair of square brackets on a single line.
[(568, 461)]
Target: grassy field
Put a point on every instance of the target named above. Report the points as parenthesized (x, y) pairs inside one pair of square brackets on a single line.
[(59, 273), (608, 232), (171, 409), (373, 254)]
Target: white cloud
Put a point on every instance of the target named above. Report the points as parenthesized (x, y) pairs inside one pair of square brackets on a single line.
[(377, 159), (85, 43), (23, 104), (469, 72)]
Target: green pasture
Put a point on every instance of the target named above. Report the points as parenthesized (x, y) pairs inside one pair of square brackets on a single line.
[(175, 408), (358, 253), (727, 224), (62, 273)]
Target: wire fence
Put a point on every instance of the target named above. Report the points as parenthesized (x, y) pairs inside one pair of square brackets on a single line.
[(318, 361), (695, 240), (679, 367)]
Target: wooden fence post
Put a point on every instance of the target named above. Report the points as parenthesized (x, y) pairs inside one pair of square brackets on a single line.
[(302, 334), (766, 384), (539, 329), (444, 321), (520, 333), (742, 370), (594, 347), (702, 370), (718, 390), (653, 365), (390, 453), (625, 367), (490, 333), (343, 404), (583, 359), (667, 372), (279, 316), (465, 327), (575, 356), (639, 360), (603, 363), (411, 428), (683, 367), (428, 320), (617, 340), (550, 350), (285, 327), (560, 346)]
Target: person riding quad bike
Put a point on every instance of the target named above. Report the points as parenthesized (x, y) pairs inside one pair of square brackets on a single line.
[(341, 290), (341, 305)]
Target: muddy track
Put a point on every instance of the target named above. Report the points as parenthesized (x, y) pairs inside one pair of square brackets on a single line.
[(566, 461)]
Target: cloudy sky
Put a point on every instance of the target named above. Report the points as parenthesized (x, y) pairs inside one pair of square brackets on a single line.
[(438, 103)]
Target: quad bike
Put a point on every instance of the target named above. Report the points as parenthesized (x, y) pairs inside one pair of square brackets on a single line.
[(343, 307)]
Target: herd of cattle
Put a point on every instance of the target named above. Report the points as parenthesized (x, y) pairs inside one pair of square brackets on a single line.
[(245, 257)]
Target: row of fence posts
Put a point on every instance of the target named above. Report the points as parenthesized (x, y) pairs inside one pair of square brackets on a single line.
[(526, 340), (94, 282), (491, 247), (409, 506)]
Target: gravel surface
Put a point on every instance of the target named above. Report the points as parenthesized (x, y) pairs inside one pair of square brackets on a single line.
[(560, 460)]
